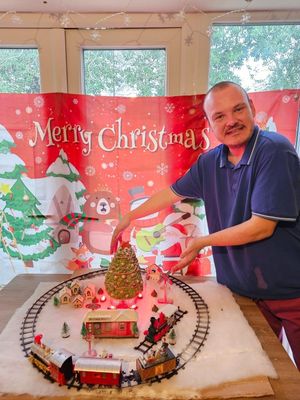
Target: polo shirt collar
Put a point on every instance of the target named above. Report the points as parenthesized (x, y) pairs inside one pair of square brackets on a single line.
[(247, 156)]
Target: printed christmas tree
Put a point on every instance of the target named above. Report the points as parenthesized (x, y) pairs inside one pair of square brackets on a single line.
[(24, 232), (123, 279), (11, 166), (63, 168)]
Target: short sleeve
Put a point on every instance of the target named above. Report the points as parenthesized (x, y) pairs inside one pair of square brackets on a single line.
[(276, 191), (190, 185)]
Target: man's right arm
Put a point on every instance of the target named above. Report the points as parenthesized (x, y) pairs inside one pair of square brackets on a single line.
[(157, 202)]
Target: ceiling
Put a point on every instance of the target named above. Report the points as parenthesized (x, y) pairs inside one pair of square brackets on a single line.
[(144, 6)]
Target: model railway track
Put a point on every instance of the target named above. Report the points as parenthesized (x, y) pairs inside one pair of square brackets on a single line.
[(28, 327), (190, 351)]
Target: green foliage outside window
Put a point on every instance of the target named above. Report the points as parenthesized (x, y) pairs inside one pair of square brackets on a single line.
[(259, 57), (126, 72), (19, 70)]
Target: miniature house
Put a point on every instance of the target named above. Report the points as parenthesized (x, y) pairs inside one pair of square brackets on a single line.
[(78, 301), (112, 323), (65, 295), (75, 287), (89, 291)]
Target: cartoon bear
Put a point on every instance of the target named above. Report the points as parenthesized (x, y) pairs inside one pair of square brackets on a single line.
[(96, 234)]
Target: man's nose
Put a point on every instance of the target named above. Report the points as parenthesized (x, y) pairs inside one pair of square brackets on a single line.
[(230, 119)]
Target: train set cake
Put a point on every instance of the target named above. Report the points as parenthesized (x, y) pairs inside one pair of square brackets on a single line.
[(138, 327)]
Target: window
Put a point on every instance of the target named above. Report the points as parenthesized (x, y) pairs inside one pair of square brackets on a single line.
[(19, 70), (259, 57), (124, 72), (124, 62)]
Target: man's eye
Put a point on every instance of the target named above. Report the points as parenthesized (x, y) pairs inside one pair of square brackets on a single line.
[(219, 117), (239, 109)]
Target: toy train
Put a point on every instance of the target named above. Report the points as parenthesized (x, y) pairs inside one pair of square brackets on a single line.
[(161, 325), (64, 367)]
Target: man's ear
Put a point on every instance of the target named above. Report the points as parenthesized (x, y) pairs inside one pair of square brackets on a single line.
[(252, 107)]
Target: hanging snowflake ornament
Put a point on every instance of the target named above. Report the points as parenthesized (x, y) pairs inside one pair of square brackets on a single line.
[(95, 35), (127, 20), (209, 31), (245, 18), (181, 15), (16, 19), (189, 40)]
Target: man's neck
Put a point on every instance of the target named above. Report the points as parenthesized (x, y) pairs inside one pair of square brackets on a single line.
[(235, 154)]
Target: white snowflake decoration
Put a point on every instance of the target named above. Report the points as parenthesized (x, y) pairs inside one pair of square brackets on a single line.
[(28, 110), (18, 112), (16, 19), (245, 18), (38, 101), (90, 170), (38, 160), (286, 99), (75, 101), (170, 107), (19, 135), (121, 108), (127, 175), (95, 35), (162, 169)]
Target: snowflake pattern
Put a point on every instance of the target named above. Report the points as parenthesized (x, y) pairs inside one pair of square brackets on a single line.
[(162, 169), (75, 101), (19, 135), (127, 175), (170, 107), (90, 170), (121, 108), (28, 110), (38, 160), (18, 112), (39, 102), (286, 99)]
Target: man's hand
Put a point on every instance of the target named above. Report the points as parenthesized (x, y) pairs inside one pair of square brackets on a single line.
[(117, 235), (189, 254)]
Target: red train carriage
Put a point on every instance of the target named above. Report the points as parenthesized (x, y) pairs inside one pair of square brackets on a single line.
[(61, 366), (98, 371)]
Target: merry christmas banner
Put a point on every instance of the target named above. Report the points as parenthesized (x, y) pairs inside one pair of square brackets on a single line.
[(72, 165)]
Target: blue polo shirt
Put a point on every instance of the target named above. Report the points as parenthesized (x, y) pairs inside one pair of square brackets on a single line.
[(266, 182)]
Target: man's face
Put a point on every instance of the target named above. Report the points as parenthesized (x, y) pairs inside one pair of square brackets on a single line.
[(230, 115)]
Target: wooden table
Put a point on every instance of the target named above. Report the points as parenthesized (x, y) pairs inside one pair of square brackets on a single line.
[(287, 387)]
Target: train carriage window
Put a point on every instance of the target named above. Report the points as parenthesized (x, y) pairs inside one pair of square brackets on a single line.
[(122, 326)]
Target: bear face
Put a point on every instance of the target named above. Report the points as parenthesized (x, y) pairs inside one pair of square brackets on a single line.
[(101, 205), (96, 234)]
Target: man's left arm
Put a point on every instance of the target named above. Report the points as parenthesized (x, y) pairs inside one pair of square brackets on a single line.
[(254, 229)]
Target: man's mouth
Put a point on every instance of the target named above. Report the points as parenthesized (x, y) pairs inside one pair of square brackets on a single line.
[(234, 130)]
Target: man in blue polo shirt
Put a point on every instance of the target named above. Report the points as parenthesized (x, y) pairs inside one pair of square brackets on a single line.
[(251, 188)]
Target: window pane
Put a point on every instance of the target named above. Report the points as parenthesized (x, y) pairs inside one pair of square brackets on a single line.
[(259, 57), (139, 72), (19, 70)]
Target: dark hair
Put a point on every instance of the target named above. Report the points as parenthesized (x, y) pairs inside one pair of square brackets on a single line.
[(223, 85)]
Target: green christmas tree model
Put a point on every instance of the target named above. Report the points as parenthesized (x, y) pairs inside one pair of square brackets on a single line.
[(24, 233), (123, 279)]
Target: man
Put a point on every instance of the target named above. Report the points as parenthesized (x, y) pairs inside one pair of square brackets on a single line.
[(251, 188)]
